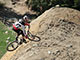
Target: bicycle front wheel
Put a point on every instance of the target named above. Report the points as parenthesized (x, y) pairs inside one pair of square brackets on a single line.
[(33, 37), (12, 46)]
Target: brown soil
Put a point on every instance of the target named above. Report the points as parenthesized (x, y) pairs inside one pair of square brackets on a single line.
[(59, 30)]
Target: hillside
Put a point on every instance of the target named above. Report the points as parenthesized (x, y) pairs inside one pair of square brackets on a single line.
[(4, 34), (59, 30), (19, 7)]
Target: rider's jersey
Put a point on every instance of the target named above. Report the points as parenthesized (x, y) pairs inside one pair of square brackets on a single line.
[(18, 25)]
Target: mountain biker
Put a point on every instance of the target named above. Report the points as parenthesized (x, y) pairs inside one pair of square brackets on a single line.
[(19, 27)]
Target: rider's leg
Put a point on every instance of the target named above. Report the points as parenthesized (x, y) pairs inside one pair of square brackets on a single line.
[(16, 36), (21, 32), (23, 38), (16, 32)]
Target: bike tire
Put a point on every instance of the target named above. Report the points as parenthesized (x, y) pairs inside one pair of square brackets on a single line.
[(12, 44), (33, 37)]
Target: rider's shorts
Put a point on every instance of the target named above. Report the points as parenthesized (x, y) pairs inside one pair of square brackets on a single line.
[(19, 31)]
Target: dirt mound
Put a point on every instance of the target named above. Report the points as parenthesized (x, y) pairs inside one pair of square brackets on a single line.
[(59, 31)]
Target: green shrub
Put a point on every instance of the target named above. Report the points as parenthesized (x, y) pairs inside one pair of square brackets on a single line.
[(38, 5), (41, 5), (3, 38)]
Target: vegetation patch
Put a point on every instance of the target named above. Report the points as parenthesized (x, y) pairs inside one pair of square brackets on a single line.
[(4, 34), (42, 5)]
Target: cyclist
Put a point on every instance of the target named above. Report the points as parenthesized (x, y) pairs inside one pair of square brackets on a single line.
[(19, 27)]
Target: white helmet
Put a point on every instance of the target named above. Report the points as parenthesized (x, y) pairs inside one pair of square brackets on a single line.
[(25, 17)]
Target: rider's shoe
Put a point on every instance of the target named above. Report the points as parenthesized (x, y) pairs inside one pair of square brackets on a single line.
[(26, 37), (24, 41), (20, 43)]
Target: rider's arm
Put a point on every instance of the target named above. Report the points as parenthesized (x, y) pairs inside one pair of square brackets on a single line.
[(27, 25), (23, 28), (17, 24)]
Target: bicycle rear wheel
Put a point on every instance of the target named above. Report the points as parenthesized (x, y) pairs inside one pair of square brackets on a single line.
[(12, 46)]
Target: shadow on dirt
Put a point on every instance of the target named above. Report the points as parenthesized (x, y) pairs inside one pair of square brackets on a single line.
[(8, 15)]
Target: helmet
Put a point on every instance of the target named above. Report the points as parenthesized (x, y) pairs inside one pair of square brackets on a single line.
[(25, 18)]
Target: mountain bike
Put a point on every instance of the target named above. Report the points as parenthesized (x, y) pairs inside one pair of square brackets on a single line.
[(16, 43)]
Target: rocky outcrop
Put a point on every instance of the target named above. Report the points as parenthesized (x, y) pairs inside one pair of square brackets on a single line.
[(59, 30)]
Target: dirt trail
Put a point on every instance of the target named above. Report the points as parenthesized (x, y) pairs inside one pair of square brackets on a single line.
[(8, 55)]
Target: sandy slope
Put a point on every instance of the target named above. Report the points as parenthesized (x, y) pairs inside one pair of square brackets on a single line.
[(8, 54), (59, 30)]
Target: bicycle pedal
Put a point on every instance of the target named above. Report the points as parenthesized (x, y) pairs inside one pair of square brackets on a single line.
[(24, 41), (20, 43)]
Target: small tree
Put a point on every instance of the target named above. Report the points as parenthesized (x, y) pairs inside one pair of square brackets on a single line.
[(77, 4), (39, 5)]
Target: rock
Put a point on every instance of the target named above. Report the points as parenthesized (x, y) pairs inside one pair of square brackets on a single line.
[(8, 38), (7, 41), (6, 32), (49, 52), (57, 6), (69, 46), (35, 45)]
